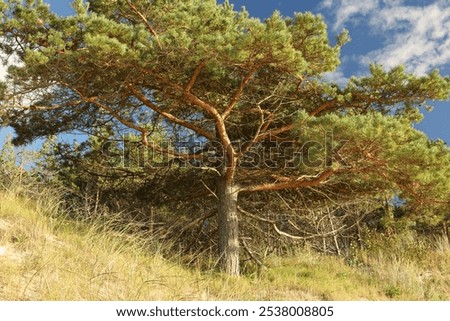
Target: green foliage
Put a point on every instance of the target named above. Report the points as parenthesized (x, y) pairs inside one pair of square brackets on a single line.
[(9, 169), (8, 156), (392, 291), (386, 153)]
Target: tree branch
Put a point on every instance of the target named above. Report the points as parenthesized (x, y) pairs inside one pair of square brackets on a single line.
[(322, 107), (303, 181), (255, 217), (145, 21), (295, 237), (111, 111), (143, 131), (194, 77), (44, 108), (238, 93), (275, 131), (278, 231), (249, 144), (221, 130), (219, 123), (250, 253), (139, 95), (287, 128)]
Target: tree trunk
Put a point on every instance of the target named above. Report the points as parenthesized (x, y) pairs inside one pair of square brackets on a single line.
[(228, 228)]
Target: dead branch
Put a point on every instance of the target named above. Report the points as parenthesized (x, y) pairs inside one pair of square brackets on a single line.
[(250, 253), (303, 181), (294, 237)]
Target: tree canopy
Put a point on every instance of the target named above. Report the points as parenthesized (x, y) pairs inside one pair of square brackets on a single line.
[(251, 93)]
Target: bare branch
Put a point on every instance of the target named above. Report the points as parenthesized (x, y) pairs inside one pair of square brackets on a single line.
[(255, 217), (294, 237), (197, 221), (249, 144), (274, 132), (304, 181), (44, 108), (250, 253), (190, 225)]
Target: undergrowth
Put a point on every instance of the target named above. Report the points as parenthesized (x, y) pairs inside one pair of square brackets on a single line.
[(45, 255)]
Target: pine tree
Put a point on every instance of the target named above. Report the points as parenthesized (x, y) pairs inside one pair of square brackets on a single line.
[(251, 92)]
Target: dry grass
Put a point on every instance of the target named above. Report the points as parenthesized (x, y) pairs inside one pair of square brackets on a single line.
[(46, 257), (410, 268)]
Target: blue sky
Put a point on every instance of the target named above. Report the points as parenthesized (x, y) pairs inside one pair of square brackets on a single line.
[(415, 33)]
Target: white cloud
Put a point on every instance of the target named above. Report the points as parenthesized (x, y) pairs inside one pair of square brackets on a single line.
[(346, 10), (337, 77), (416, 36), (419, 37), (326, 4)]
